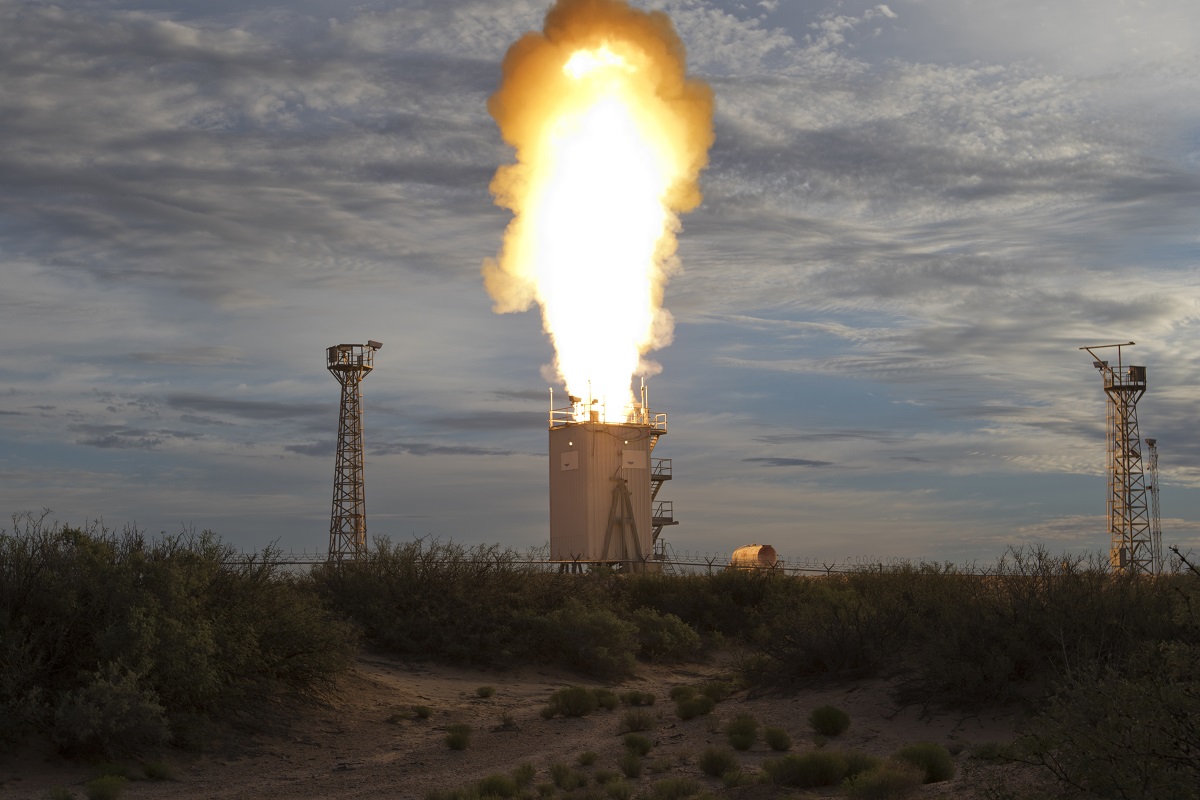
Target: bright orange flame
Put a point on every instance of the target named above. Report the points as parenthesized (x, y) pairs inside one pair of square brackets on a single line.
[(610, 139)]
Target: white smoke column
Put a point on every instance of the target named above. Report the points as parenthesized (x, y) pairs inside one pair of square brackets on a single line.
[(610, 137)]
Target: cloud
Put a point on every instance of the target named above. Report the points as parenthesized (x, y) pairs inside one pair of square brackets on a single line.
[(424, 449), (249, 409), (788, 462)]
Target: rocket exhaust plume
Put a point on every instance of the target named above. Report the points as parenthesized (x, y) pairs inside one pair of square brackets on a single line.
[(610, 137)]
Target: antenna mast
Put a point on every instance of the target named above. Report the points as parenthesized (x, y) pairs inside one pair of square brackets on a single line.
[(1155, 518), (1130, 548), (349, 364)]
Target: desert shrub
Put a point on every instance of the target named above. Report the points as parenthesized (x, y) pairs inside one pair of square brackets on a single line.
[(59, 793), (106, 787), (857, 761), (829, 720), (603, 776), (587, 758), (934, 759), (637, 744), (693, 707), (423, 712), (158, 771), (674, 788), (523, 774), (110, 715), (635, 720), (684, 692), (777, 738), (630, 764), (633, 697), (606, 699), (618, 790), (546, 790), (664, 637), (592, 640), (497, 786), (661, 764), (1128, 729), (806, 770), (717, 690), (458, 736), (742, 731), (485, 691), (566, 778), (716, 761), (206, 633), (573, 701), (890, 780)]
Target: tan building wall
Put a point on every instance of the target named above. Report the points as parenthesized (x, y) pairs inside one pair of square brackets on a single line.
[(584, 459)]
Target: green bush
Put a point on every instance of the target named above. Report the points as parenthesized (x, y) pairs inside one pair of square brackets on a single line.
[(664, 637), (777, 738), (683, 692), (110, 715), (106, 787), (159, 771), (630, 764), (890, 780), (59, 793), (174, 632), (458, 736), (423, 712), (498, 786), (1127, 729), (674, 788), (523, 774), (717, 690), (566, 778), (807, 770), (603, 776), (587, 758), (716, 762), (635, 720), (857, 761), (485, 691), (633, 697), (692, 707), (637, 744), (934, 759), (618, 790), (742, 731), (829, 721), (606, 699), (573, 701)]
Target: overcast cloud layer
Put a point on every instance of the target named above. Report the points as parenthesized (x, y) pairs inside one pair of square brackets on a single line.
[(914, 215)]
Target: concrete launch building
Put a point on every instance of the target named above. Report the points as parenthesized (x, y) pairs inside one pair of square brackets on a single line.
[(604, 484)]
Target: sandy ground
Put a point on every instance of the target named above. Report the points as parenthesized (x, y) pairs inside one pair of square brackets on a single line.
[(357, 746)]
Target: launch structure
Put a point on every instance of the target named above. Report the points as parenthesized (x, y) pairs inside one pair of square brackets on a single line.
[(1131, 547), (350, 364), (604, 485), (1155, 519)]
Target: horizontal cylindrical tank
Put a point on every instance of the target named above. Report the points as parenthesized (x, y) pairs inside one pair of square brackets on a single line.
[(754, 556)]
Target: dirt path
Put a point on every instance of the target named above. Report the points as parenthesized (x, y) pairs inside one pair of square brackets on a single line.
[(358, 746)]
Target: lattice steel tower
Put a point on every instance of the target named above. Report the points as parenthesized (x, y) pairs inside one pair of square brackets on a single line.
[(1131, 547), (350, 364), (1155, 520)]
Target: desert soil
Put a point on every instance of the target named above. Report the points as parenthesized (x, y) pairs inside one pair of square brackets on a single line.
[(359, 744)]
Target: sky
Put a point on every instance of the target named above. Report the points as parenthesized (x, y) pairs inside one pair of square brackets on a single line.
[(914, 215)]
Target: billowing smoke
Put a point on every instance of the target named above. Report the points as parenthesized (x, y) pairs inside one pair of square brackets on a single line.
[(610, 137)]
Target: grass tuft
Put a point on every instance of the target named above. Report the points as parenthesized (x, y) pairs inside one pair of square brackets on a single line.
[(777, 739), (106, 787), (934, 759), (716, 761), (829, 720), (890, 780), (485, 691), (458, 736)]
